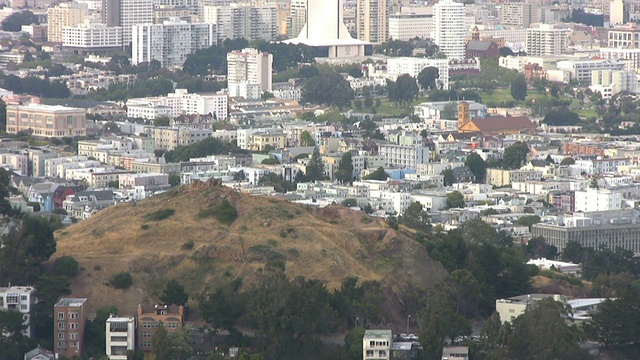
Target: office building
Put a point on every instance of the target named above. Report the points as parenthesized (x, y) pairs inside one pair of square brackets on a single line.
[(598, 200), (371, 20), (47, 120), (61, 16), (120, 337), (404, 156), (179, 103), (397, 66), (297, 17), (611, 82), (449, 28), (408, 26), (171, 42), (249, 69), (240, 20), (164, 13), (631, 56), (545, 39), (376, 344), (151, 317), (69, 319), (127, 13), (19, 299), (581, 70), (624, 37), (520, 14), (92, 37)]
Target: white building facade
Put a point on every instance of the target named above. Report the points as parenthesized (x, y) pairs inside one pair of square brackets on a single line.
[(178, 103), (413, 66), (449, 28), (251, 69), (92, 37), (545, 39), (120, 337), (20, 299)]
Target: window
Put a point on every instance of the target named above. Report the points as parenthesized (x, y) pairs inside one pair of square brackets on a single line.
[(23, 297), (23, 307), (61, 345), (73, 315), (73, 336), (60, 326), (60, 316), (60, 336), (146, 343), (370, 353), (73, 326)]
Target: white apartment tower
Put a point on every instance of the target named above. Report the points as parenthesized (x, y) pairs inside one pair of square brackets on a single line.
[(127, 13), (120, 336), (449, 29), (545, 39), (20, 299), (371, 20), (170, 42), (61, 16), (249, 71)]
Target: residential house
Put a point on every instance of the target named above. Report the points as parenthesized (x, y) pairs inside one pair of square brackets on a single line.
[(455, 352), (120, 337), (376, 344), (43, 194), (39, 353), (20, 299), (82, 205), (463, 174)]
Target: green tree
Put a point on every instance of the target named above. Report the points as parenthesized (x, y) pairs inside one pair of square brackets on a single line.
[(161, 346), (345, 169), (161, 121), (528, 220), (449, 177), (174, 294), (455, 199), (567, 161), (66, 265), (515, 155), (15, 21), (329, 89), (427, 78), (450, 111), (353, 343), (477, 165), (306, 139), (174, 179), (403, 91), (415, 217), (559, 116), (222, 306), (519, 88), (95, 332), (379, 174), (315, 167)]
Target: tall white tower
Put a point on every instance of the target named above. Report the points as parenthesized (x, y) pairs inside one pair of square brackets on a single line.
[(449, 28)]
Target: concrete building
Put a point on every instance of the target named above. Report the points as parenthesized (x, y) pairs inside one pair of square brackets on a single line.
[(61, 16), (261, 141), (92, 37), (520, 14), (164, 13), (624, 37), (178, 103), (150, 318), (397, 66), (407, 26), (325, 31), (132, 180), (171, 42), (240, 20), (612, 82), (502, 177), (616, 12), (249, 70), (297, 17), (631, 56), (168, 138), (598, 200), (69, 319), (581, 70), (545, 39), (120, 337), (371, 20), (127, 13), (47, 120), (19, 299), (449, 28), (511, 308), (376, 344), (404, 156)]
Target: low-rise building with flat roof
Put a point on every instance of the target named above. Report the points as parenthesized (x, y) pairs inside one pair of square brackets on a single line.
[(47, 120)]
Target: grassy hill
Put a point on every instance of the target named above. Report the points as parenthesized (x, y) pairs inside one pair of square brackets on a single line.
[(191, 234)]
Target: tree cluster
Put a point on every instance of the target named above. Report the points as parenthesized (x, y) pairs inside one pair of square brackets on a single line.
[(209, 146), (15, 21), (36, 86), (329, 89), (403, 91)]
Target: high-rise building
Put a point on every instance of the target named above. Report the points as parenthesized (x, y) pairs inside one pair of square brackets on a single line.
[(371, 20), (410, 25), (61, 16), (171, 42), (19, 299), (120, 337), (616, 12), (297, 17), (243, 21), (127, 13), (249, 73), (69, 319), (521, 14), (545, 39), (449, 28)]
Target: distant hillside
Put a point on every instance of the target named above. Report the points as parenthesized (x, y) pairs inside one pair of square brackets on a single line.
[(178, 235)]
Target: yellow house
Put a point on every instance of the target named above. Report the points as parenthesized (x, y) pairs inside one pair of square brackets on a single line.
[(260, 141)]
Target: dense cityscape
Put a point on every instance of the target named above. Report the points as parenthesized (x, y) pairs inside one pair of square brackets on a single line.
[(319, 179)]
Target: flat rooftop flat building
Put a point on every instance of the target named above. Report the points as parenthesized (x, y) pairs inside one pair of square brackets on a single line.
[(47, 120)]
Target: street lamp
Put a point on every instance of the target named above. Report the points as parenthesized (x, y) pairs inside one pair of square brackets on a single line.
[(357, 321), (408, 318)]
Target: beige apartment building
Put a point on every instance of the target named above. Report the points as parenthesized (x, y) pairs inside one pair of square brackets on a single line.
[(260, 141), (61, 16), (47, 120), (69, 319), (151, 317)]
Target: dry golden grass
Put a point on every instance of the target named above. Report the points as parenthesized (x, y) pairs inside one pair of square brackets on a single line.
[(327, 244)]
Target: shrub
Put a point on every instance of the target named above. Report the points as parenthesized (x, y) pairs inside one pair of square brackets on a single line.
[(160, 214), (97, 267), (224, 213), (60, 211), (188, 245), (121, 280), (66, 265), (145, 226)]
